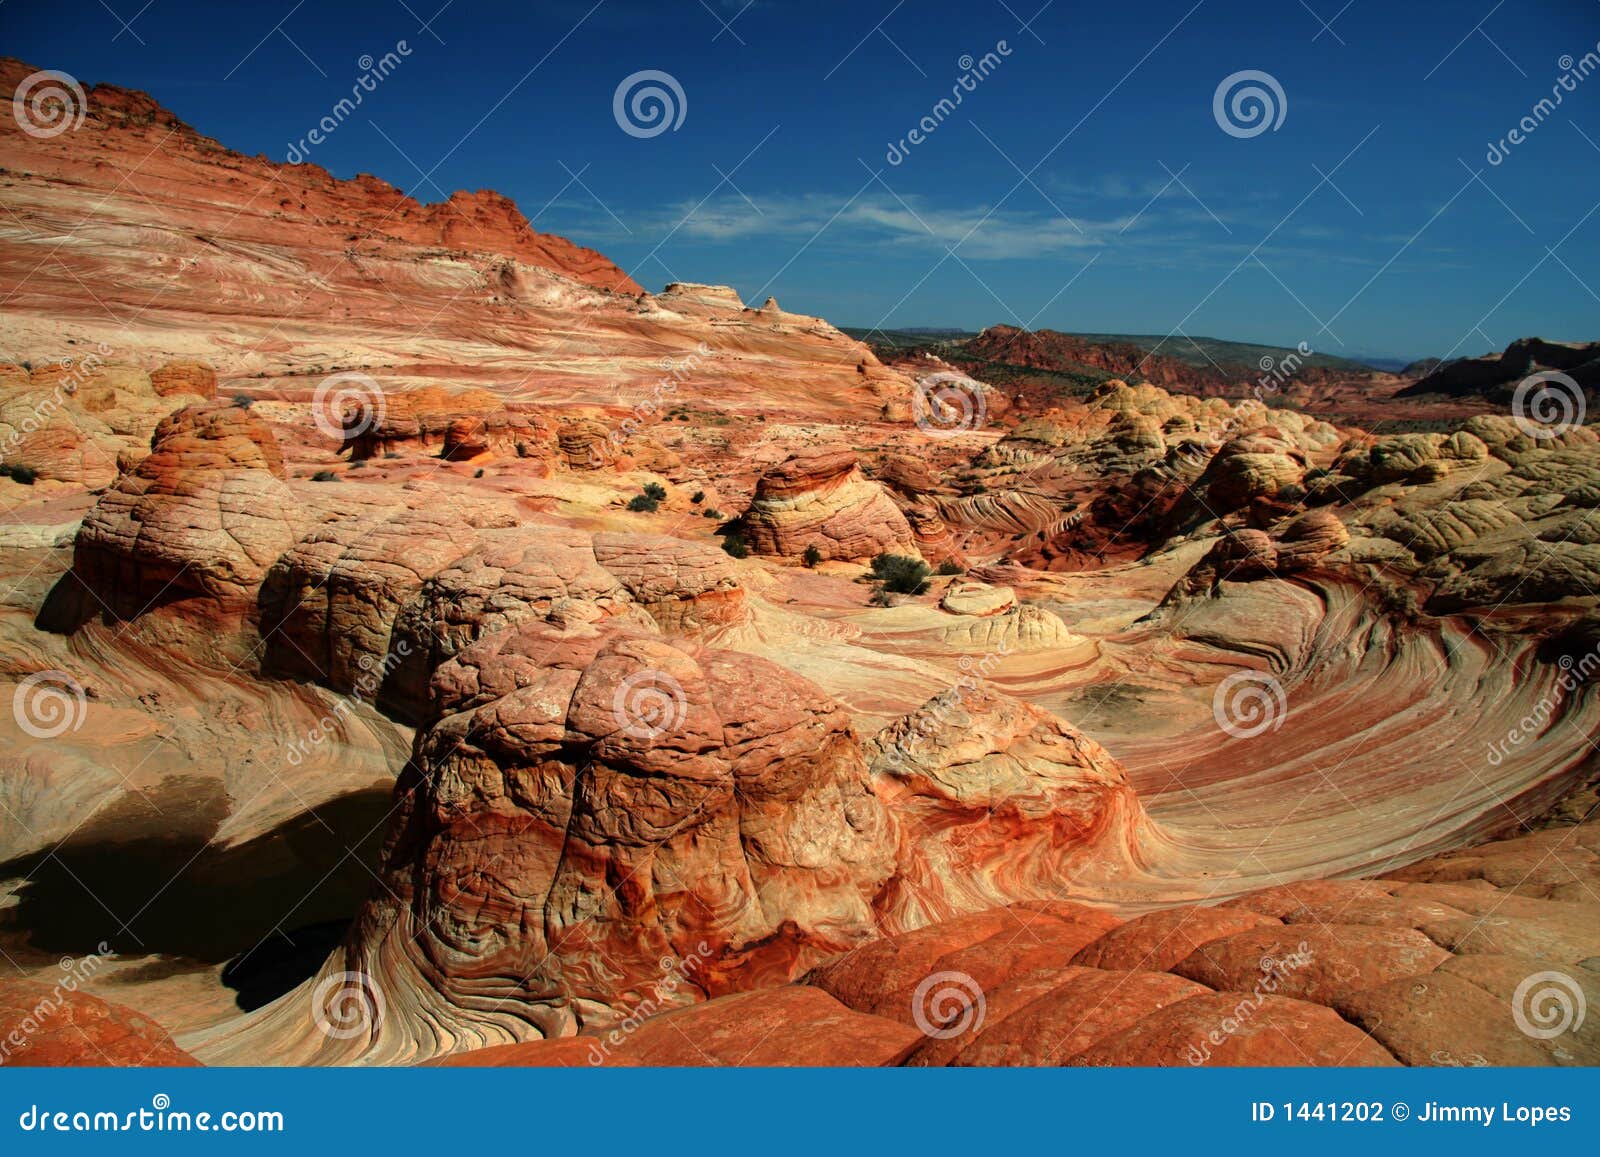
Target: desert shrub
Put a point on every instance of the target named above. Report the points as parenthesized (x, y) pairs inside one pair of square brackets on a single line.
[(901, 574), (949, 566), (733, 542), (697, 497), (643, 503), (812, 556), (391, 453), (19, 473), (711, 512), (324, 476), (243, 401), (655, 490), (478, 473)]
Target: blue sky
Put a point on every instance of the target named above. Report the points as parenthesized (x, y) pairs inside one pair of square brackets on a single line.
[(1084, 183)]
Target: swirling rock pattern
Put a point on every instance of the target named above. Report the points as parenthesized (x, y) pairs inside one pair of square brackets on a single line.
[(822, 500)]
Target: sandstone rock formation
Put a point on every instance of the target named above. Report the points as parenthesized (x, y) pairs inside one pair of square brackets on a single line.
[(206, 513), (53, 1025), (1207, 663), (822, 500), (73, 421)]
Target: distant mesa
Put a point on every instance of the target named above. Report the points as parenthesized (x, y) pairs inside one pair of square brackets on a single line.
[(1497, 375)]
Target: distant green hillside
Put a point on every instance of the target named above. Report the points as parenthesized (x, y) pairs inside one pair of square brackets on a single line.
[(1203, 351), (1195, 351)]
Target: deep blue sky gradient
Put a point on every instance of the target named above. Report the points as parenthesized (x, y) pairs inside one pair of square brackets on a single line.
[(1404, 253)]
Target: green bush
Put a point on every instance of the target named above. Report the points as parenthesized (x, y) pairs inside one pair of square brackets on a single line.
[(697, 497), (950, 566), (733, 542), (812, 556), (712, 512), (655, 490), (19, 473), (324, 476), (644, 503), (901, 574)]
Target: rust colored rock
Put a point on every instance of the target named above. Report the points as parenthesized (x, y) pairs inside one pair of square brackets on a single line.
[(794, 1025), (1088, 1006), (1441, 1019), (330, 601), (1315, 962), (196, 378), (998, 1004), (46, 1025), (1158, 940), (206, 513), (1217, 1029), (456, 425), (821, 499), (1554, 1000), (77, 420), (587, 444), (999, 801), (618, 823), (880, 977), (686, 586), (1309, 539), (1042, 942)]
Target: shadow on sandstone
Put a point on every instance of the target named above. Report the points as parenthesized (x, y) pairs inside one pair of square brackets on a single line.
[(146, 879)]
